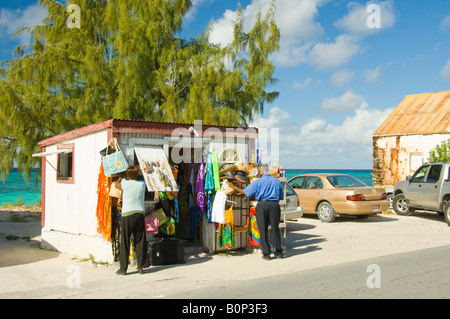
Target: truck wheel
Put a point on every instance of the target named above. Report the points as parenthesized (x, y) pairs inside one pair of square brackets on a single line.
[(401, 207), (326, 212), (447, 213)]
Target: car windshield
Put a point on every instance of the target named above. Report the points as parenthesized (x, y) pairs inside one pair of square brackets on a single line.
[(345, 181)]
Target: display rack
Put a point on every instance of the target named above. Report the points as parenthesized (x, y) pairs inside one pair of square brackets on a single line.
[(241, 206), (283, 207)]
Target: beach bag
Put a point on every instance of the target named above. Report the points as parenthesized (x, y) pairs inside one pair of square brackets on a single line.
[(159, 214), (116, 162), (114, 191), (151, 225)]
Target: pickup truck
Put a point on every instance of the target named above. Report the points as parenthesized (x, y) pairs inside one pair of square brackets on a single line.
[(428, 189)]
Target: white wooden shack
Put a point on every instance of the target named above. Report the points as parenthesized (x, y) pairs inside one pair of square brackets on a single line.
[(70, 168), (404, 140)]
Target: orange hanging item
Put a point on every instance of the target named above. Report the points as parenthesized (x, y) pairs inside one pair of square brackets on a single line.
[(103, 205)]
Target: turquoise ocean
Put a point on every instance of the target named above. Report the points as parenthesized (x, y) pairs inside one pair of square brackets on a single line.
[(15, 186), (30, 191)]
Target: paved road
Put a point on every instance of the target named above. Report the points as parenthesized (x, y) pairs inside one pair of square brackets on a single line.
[(418, 274), (324, 261)]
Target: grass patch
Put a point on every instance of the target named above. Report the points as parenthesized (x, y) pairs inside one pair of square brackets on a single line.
[(12, 237), (17, 217)]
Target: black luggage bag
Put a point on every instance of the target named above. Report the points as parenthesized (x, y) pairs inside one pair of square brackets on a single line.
[(166, 251)]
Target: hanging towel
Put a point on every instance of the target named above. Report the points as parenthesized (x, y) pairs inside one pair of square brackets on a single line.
[(226, 231), (216, 171), (254, 236), (218, 209), (209, 180)]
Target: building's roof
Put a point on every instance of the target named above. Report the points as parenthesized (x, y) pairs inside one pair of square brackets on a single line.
[(427, 113), (151, 127)]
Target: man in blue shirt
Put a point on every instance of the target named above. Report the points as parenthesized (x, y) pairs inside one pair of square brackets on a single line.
[(268, 191)]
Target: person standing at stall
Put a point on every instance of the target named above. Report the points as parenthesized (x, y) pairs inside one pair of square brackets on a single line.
[(268, 191), (133, 220)]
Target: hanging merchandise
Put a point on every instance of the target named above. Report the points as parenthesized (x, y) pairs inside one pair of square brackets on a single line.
[(216, 170), (168, 228), (103, 211), (157, 173), (218, 209), (116, 162), (175, 201), (183, 194), (193, 220), (209, 206), (115, 229), (226, 230), (199, 188), (209, 179), (151, 225), (252, 226), (209, 188), (159, 214), (114, 191)]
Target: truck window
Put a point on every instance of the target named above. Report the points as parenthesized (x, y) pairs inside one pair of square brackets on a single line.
[(419, 176), (434, 174)]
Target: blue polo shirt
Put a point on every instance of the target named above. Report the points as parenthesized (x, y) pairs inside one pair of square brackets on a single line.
[(265, 188)]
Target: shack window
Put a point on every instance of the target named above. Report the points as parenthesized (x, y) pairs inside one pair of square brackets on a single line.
[(65, 164)]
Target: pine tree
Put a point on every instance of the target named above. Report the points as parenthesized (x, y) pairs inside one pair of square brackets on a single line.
[(127, 61)]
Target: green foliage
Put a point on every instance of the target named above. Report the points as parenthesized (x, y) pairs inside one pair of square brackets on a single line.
[(126, 61), (441, 153)]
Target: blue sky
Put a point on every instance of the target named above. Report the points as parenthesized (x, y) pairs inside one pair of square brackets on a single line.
[(338, 78)]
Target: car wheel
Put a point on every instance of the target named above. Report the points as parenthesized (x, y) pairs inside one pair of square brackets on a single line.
[(326, 212), (401, 206), (447, 213)]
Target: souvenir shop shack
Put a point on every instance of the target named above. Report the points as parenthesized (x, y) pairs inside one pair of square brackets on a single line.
[(180, 165)]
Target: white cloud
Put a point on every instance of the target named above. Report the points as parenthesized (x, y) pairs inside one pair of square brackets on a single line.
[(222, 31), (346, 102), (318, 144), (445, 72), (308, 83), (362, 20), (342, 78), (334, 54), (372, 75), (295, 19), (301, 40), (12, 20), (445, 23)]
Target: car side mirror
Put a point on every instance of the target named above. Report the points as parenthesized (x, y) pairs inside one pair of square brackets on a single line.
[(409, 178)]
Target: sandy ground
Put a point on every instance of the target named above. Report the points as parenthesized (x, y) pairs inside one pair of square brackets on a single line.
[(26, 271)]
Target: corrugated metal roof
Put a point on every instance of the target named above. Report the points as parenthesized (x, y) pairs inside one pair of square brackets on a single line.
[(150, 127), (427, 113)]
